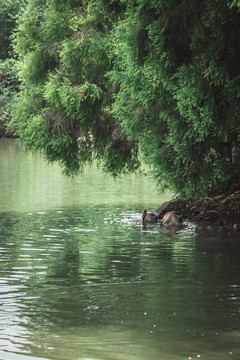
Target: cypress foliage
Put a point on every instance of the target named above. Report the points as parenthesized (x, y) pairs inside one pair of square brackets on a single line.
[(121, 80), (177, 66), (64, 105), (9, 12)]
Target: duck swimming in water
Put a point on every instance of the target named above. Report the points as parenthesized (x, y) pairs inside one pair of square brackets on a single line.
[(148, 217), (172, 218)]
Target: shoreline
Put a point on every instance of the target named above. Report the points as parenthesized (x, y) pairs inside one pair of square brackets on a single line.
[(219, 213)]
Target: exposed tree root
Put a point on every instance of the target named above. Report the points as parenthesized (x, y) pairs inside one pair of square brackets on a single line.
[(221, 211)]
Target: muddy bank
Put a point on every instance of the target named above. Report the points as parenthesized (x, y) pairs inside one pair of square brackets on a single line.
[(217, 213)]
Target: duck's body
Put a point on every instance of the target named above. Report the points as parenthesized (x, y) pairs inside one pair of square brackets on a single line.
[(171, 218), (148, 216)]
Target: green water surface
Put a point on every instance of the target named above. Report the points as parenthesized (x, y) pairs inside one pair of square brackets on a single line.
[(80, 279)]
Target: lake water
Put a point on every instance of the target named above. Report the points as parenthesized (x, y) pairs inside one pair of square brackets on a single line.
[(80, 279)]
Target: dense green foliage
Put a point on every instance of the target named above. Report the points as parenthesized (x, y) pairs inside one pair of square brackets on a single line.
[(124, 80), (9, 87), (178, 70), (9, 13), (64, 107)]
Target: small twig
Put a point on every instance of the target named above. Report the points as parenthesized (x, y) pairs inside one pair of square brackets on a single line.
[(214, 211), (231, 197), (208, 198)]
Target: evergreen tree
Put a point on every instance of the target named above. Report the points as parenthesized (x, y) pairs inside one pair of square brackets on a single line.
[(121, 80), (177, 66), (9, 11), (64, 107)]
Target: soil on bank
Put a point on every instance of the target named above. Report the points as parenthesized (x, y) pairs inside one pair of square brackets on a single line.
[(220, 212)]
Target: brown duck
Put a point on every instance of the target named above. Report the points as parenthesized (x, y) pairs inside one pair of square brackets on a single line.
[(172, 218), (148, 216)]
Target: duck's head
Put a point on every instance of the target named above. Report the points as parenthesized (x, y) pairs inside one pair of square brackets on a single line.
[(144, 213)]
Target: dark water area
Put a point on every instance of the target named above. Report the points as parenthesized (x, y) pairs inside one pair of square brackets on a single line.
[(81, 279)]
